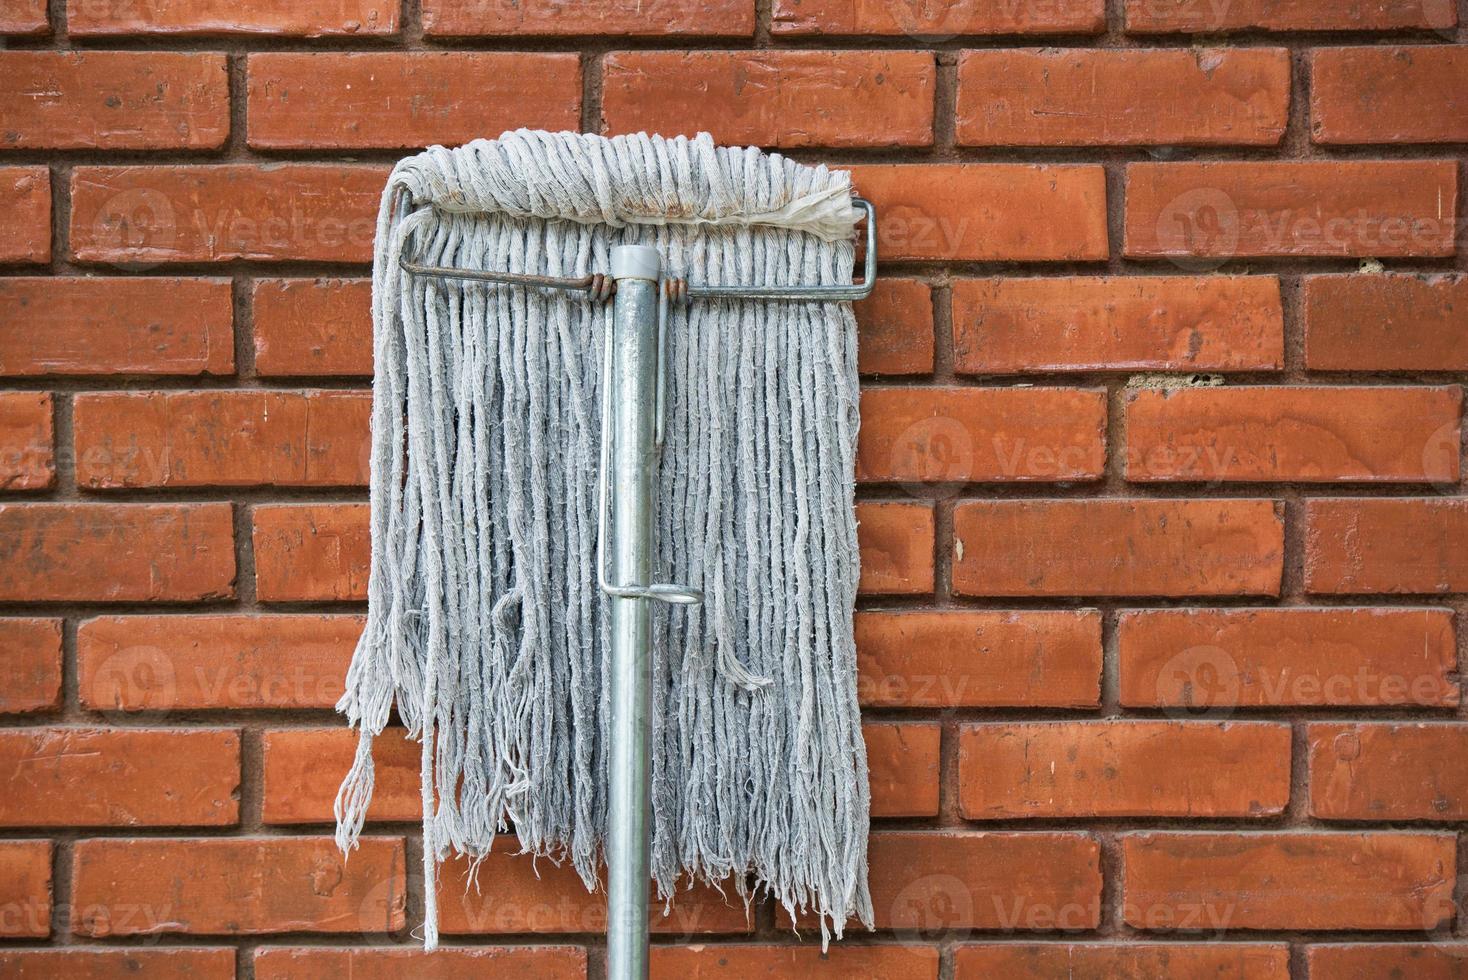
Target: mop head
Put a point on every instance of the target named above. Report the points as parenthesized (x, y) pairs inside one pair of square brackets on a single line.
[(485, 625)]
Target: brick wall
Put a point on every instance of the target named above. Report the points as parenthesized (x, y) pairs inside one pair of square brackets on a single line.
[(1163, 524)]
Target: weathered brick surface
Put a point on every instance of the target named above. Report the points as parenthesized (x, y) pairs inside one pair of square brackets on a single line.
[(313, 327), (211, 18), (25, 889), (1117, 961), (593, 18), (1399, 545), (896, 542), (937, 20), (27, 442), (30, 649), (534, 962), (1409, 94), (1386, 323), (1203, 17), (1387, 771), (25, 215), (22, 17), (1442, 961), (114, 964), (311, 552)]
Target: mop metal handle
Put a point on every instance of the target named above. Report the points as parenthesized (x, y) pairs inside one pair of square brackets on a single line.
[(600, 287)]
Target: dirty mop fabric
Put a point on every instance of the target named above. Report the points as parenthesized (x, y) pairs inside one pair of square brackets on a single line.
[(485, 624)]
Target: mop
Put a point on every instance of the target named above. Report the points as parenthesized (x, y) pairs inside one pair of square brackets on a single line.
[(485, 625)]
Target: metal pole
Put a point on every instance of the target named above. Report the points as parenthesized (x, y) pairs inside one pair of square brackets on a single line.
[(633, 381)]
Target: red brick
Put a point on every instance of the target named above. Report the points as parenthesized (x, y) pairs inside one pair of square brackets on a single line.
[(114, 100), (1212, 17), (1291, 880), (592, 18), (979, 658), (116, 552), (987, 211), (311, 552), (524, 962), (896, 541), (110, 325), (1117, 547), (313, 327), (773, 98), (1098, 323), (305, 766), (1076, 97), (1398, 545), (1440, 961), (1269, 658), (1090, 769), (94, 777), (1302, 434), (1406, 771), (1389, 94), (1386, 323), (237, 660), (30, 656), (25, 889), (943, 20), (221, 212), (27, 447), (296, 18), (947, 880), (964, 435), (1122, 961), (894, 327), (529, 896), (118, 964), (724, 962), (23, 17), (236, 887), (407, 99), (903, 759), (25, 215), (1379, 208), (222, 438)]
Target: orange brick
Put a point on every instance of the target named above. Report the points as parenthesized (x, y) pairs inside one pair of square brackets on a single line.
[(27, 449), (964, 435), (115, 964), (116, 552), (525, 962), (237, 886), (222, 438), (947, 880), (1291, 880), (25, 215), (1098, 323), (407, 99), (25, 889), (1376, 208), (1090, 769), (895, 328), (313, 327), (1386, 323), (896, 541), (773, 98), (1440, 961), (1303, 434), (23, 17), (291, 18), (1394, 772), (1117, 547), (1399, 545), (114, 100), (532, 896), (305, 766), (311, 552), (926, 21), (903, 759), (1210, 17), (1076, 97), (1389, 94), (111, 325), (592, 18), (979, 658), (238, 660), (987, 211), (30, 655), (724, 962), (1122, 961), (1215, 659), (222, 212), (93, 777)]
